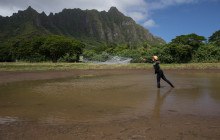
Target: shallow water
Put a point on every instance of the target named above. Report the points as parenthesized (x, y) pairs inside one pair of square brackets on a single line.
[(89, 98)]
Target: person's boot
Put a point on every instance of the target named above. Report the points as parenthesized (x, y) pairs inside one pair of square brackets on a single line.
[(158, 85)]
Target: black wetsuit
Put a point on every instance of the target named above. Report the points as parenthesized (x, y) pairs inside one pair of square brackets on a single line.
[(160, 74)]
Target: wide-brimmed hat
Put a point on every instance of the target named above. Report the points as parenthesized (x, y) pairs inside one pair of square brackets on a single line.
[(155, 57)]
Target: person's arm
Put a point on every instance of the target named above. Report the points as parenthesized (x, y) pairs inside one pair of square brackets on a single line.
[(145, 60), (158, 62), (149, 61)]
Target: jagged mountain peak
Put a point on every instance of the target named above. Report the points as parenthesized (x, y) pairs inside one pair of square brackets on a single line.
[(26, 13), (30, 10), (85, 25), (113, 9)]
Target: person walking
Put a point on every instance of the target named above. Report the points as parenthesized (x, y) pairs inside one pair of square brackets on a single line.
[(158, 71)]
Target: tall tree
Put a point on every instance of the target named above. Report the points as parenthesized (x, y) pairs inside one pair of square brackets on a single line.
[(215, 38), (193, 40), (55, 47)]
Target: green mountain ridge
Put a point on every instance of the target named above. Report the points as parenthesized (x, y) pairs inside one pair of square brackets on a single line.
[(90, 26)]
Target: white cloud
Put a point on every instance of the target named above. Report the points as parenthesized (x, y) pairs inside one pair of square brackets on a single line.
[(5, 11), (137, 16), (57, 5), (133, 8), (159, 4), (150, 23)]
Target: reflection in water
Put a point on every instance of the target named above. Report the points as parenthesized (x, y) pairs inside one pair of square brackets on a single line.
[(159, 101), (103, 98), (7, 119), (86, 98)]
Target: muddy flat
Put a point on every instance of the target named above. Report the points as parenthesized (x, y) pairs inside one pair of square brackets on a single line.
[(109, 104)]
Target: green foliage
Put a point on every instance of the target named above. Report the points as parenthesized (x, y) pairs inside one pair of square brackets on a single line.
[(6, 52), (41, 49), (68, 58), (146, 45), (100, 48), (55, 47), (176, 53), (30, 50), (154, 51), (93, 56), (88, 54), (131, 53), (207, 53), (186, 48), (101, 57), (182, 49), (215, 38), (193, 40)]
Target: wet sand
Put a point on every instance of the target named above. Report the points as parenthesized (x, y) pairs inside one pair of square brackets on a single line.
[(44, 75), (17, 76), (179, 127), (171, 125)]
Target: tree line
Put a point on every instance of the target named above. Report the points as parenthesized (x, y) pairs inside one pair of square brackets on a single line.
[(45, 48), (182, 49)]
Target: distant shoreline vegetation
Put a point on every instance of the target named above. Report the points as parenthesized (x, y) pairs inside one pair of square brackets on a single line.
[(190, 48)]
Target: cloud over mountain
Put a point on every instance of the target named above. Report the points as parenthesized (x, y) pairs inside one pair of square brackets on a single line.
[(139, 10)]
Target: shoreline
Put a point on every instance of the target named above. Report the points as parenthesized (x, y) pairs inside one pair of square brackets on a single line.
[(17, 76), (20, 66)]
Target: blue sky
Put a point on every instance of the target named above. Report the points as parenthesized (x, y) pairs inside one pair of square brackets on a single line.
[(202, 18), (164, 18)]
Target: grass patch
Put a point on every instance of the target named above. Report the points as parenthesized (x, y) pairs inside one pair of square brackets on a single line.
[(22, 66)]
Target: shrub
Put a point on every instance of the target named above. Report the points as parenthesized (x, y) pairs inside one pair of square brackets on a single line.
[(207, 53)]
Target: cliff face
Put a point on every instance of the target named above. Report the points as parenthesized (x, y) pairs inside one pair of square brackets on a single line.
[(85, 25)]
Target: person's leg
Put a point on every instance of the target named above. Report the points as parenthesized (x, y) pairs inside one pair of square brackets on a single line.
[(165, 79), (158, 80)]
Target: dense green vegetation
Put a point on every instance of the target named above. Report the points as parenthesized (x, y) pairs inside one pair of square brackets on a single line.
[(183, 49), (46, 48)]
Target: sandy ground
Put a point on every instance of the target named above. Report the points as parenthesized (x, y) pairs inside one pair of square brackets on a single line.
[(168, 127)]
